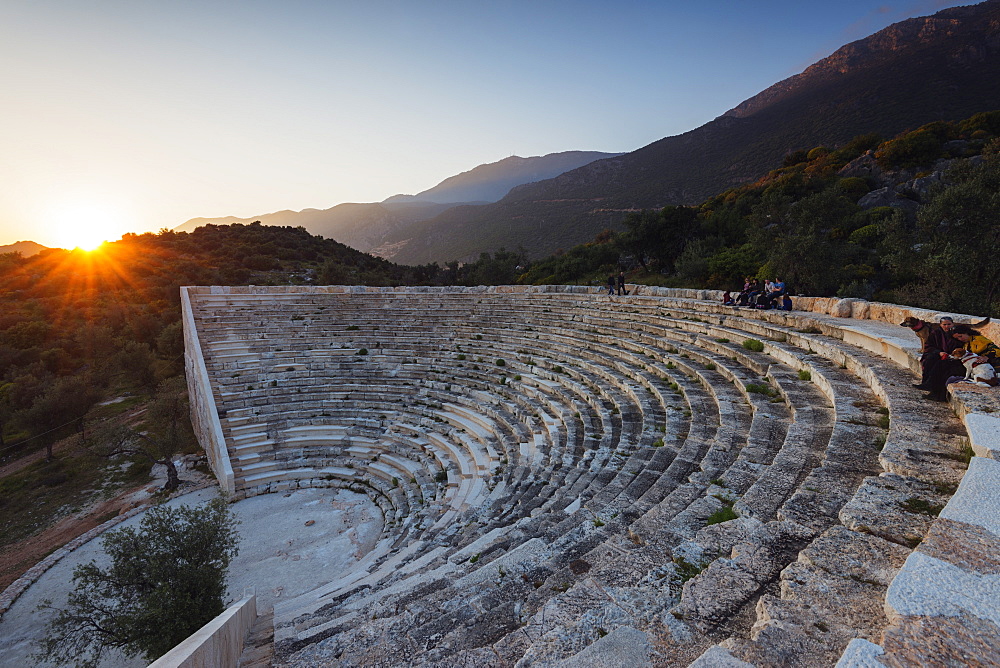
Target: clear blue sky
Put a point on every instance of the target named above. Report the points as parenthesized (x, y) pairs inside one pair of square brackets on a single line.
[(130, 115)]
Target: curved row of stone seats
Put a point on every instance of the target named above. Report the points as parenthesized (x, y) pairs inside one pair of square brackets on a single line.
[(927, 437), (672, 524), (691, 513)]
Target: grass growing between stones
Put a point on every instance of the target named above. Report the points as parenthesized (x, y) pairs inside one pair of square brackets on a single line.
[(964, 455), (921, 507), (723, 514), (880, 441), (685, 569), (754, 345), (762, 388), (883, 420)]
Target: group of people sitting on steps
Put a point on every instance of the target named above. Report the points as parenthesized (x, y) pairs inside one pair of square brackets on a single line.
[(772, 294), (951, 353)]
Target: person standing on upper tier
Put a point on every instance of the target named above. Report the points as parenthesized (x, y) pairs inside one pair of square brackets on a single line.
[(621, 283)]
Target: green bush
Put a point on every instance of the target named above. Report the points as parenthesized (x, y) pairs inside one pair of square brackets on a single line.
[(754, 345), (853, 187)]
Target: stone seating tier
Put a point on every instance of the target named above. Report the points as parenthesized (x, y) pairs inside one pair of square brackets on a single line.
[(579, 503)]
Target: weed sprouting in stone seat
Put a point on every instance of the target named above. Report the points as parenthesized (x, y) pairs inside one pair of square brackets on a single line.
[(723, 514), (686, 570)]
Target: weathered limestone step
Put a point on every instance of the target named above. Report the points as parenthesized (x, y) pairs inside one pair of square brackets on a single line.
[(945, 602), (258, 650)]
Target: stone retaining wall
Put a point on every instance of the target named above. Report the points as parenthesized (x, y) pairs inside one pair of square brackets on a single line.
[(204, 415), (218, 644)]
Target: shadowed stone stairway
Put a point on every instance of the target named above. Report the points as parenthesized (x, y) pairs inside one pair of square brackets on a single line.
[(568, 478)]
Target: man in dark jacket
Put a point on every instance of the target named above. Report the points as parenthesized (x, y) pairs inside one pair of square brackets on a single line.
[(936, 344)]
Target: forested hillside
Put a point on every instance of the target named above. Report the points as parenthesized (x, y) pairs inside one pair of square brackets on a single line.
[(911, 220)]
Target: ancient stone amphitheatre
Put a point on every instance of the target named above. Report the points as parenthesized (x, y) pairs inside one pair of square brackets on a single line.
[(569, 479)]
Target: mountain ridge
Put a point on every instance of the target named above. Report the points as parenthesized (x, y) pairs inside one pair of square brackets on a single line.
[(491, 181), (941, 67), (25, 248), (365, 226)]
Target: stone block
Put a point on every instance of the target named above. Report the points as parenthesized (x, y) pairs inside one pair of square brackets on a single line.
[(841, 308), (855, 555), (977, 500), (860, 309), (861, 653), (719, 657), (867, 511), (941, 641), (625, 646), (929, 587), (984, 434)]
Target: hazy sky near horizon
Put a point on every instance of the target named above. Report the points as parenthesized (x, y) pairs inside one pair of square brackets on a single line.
[(130, 116)]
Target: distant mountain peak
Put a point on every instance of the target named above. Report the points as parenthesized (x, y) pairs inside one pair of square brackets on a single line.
[(490, 182), (897, 41), (25, 248)]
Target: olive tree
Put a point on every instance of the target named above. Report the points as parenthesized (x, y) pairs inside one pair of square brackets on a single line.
[(165, 432), (165, 580)]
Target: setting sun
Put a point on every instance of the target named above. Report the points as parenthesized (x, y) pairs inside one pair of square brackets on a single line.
[(85, 225)]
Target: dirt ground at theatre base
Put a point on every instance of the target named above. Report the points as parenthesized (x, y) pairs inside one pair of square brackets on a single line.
[(45, 504), (291, 542), (62, 525)]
